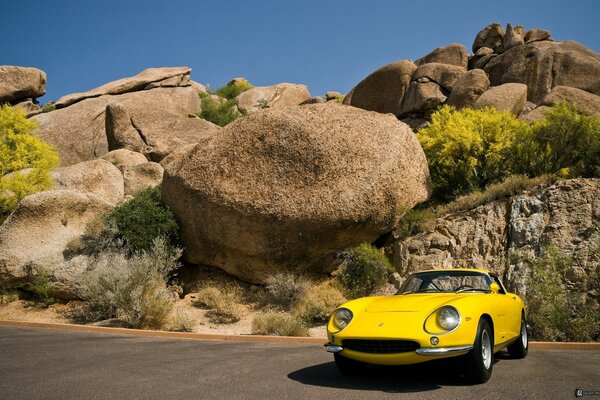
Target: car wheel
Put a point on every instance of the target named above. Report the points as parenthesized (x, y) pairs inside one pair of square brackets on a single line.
[(348, 366), (479, 361), (519, 348)]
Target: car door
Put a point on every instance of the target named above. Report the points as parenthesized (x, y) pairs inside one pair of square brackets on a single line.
[(502, 309)]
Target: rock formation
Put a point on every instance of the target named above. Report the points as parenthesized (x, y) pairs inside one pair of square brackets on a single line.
[(281, 95), (285, 188), (504, 235)]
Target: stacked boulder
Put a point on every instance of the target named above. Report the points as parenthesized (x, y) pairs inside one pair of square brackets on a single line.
[(516, 70), (21, 86)]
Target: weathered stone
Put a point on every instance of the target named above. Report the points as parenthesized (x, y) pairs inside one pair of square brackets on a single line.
[(586, 102), (198, 87), (480, 62), (173, 76), (454, 54), (18, 83), (533, 115), (468, 88), (28, 107), (508, 97), (141, 176), (99, 177), (122, 158), (484, 51), (78, 132), (491, 36), (277, 96), (512, 38), (422, 97), (384, 89), (154, 138), (505, 235), (35, 235), (286, 188), (544, 65), (444, 75), (535, 35)]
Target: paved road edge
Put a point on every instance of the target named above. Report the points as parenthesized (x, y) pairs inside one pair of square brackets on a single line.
[(243, 338)]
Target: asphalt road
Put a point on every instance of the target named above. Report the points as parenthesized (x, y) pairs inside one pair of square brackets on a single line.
[(48, 364)]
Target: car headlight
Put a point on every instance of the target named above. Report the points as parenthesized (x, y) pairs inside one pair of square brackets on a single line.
[(447, 318), (341, 318)]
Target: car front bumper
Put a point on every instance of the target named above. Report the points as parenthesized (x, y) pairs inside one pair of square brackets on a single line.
[(413, 357)]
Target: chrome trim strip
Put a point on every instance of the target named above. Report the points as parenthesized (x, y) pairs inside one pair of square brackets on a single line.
[(440, 351), (331, 348)]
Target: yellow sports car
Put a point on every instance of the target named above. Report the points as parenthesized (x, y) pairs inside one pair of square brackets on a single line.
[(436, 314)]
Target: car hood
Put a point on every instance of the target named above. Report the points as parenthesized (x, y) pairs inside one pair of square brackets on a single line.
[(416, 302)]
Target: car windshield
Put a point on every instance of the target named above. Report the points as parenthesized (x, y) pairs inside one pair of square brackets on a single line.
[(445, 281)]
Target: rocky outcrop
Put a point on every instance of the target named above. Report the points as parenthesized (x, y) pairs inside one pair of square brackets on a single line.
[(506, 235), (384, 89), (151, 135), (491, 37), (35, 235), (99, 177), (122, 158), (422, 98), (445, 75), (276, 96), (513, 37), (509, 97), (586, 102), (468, 88), (142, 176), (544, 65), (20, 83), (286, 188), (454, 54), (79, 133), (147, 79), (535, 35)]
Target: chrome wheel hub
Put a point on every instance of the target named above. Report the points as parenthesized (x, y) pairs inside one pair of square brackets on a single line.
[(524, 335), (486, 349)]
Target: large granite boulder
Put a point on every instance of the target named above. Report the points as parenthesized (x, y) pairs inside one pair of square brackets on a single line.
[(78, 131), (286, 188), (139, 177), (444, 75), (18, 83), (491, 36), (122, 158), (281, 95), (422, 98), (509, 97), (586, 102), (453, 54), (384, 89), (95, 176), (513, 37), (543, 65), (147, 79), (34, 237), (151, 135), (468, 88), (535, 35)]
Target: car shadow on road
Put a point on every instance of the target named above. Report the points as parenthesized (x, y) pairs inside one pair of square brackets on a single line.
[(390, 379)]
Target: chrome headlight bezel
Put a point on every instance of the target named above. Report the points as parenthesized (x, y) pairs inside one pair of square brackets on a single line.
[(341, 318), (443, 320)]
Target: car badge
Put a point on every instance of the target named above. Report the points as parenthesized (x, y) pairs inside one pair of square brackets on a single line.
[(380, 324)]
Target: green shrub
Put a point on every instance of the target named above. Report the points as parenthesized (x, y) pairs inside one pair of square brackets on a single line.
[(219, 112), (512, 185), (364, 270), (50, 106), (223, 303), (25, 161), (556, 313), (138, 221), (278, 324), (468, 149), (234, 88), (416, 221), (7, 295), (564, 142), (131, 288), (286, 289), (41, 287), (318, 303)]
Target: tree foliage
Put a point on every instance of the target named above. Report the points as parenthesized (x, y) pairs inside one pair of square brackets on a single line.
[(25, 160)]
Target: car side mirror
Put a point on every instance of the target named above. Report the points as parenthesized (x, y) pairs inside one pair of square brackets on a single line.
[(494, 287)]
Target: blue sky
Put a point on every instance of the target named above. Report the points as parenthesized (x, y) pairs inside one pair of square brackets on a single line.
[(327, 45)]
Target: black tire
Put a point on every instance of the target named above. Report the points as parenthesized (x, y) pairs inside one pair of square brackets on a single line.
[(348, 366), (479, 362), (518, 349)]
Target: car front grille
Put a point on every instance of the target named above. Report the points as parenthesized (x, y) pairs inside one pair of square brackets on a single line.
[(380, 346)]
